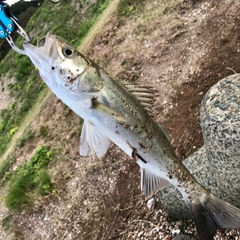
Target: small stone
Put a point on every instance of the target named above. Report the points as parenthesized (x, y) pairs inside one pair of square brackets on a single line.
[(151, 204), (175, 232), (116, 166), (184, 236), (223, 106)]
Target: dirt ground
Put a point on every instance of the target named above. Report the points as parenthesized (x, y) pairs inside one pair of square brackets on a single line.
[(182, 51)]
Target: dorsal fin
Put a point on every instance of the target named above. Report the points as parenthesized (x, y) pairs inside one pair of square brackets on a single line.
[(144, 94)]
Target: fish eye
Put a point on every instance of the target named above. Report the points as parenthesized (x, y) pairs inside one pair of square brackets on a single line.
[(67, 52)]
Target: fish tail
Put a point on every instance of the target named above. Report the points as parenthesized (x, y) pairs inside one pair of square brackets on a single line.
[(211, 213)]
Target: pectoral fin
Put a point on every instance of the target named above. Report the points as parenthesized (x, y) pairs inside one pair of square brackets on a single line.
[(107, 111), (92, 139)]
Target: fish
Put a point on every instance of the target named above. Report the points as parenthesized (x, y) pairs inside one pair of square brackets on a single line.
[(121, 113)]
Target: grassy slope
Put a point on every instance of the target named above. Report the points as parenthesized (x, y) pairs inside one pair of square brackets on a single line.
[(42, 99), (96, 28), (45, 94)]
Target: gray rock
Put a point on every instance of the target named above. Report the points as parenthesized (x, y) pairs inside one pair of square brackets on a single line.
[(217, 164), (184, 236)]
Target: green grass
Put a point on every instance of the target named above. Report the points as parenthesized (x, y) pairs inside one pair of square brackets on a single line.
[(6, 222), (85, 26), (44, 182), (25, 91), (43, 131), (5, 167), (18, 196), (28, 135), (127, 8), (28, 178)]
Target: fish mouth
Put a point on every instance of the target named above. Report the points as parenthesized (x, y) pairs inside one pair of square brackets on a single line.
[(33, 53), (43, 54)]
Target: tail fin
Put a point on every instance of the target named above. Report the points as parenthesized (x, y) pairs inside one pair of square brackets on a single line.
[(211, 213)]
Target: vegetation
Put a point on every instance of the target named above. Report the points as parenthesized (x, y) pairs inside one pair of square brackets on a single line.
[(20, 7), (43, 131), (44, 182), (127, 8), (6, 222), (28, 135), (27, 178), (5, 168), (25, 91)]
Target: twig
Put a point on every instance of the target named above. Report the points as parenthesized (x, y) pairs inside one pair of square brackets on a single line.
[(144, 221), (231, 69)]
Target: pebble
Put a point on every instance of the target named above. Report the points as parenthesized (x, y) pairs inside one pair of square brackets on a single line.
[(184, 236), (151, 203), (140, 234)]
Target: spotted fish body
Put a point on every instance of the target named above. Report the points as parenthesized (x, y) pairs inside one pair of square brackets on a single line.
[(118, 113)]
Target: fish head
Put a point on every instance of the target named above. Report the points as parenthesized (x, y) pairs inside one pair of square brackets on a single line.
[(66, 71)]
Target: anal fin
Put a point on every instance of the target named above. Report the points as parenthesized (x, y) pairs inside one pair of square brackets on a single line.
[(149, 181)]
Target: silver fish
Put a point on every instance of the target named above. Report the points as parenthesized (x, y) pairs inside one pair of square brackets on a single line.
[(119, 113)]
